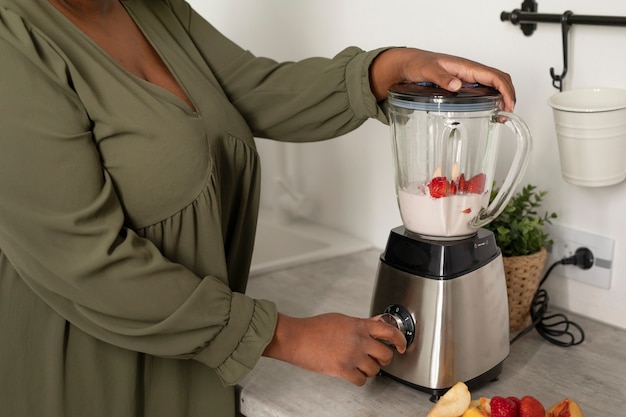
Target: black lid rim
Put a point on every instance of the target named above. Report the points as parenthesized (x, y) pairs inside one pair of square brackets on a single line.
[(427, 96)]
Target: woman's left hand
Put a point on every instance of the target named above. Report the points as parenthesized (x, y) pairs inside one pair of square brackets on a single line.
[(415, 65)]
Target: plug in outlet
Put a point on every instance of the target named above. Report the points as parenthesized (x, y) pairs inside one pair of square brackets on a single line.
[(567, 240)]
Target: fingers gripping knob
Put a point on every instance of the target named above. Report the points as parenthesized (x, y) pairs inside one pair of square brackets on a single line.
[(398, 316)]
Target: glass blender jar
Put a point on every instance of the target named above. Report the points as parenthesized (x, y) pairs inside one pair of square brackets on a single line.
[(441, 277), (445, 147)]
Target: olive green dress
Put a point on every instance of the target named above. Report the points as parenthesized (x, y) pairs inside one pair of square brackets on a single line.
[(127, 218)]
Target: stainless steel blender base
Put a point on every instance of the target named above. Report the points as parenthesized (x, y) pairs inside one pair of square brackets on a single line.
[(489, 376), (461, 322)]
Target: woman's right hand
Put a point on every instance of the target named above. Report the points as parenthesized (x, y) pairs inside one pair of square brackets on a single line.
[(414, 65), (335, 344)]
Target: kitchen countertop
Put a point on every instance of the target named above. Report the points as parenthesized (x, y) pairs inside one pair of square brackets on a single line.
[(593, 373)]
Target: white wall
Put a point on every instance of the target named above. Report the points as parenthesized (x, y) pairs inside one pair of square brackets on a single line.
[(351, 178)]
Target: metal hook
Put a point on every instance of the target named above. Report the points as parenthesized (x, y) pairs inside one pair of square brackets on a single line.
[(557, 80)]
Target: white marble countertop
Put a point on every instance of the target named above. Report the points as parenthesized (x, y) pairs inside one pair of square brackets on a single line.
[(593, 373)]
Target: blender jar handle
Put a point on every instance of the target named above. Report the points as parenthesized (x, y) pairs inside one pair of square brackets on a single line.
[(518, 167)]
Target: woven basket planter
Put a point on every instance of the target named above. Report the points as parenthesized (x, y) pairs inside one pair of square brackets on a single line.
[(523, 274)]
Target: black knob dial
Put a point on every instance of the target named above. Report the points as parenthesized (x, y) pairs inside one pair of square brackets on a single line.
[(400, 317)]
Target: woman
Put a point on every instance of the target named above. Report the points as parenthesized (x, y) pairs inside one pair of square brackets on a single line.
[(129, 190)]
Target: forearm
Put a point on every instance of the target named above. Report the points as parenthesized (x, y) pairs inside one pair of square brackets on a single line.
[(308, 100), (335, 344)]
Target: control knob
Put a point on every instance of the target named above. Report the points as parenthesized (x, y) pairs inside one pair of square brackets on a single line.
[(398, 316)]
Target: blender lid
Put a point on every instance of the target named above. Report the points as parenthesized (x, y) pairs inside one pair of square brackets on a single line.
[(430, 97)]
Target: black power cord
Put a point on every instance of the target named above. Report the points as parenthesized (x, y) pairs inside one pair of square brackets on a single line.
[(556, 328)]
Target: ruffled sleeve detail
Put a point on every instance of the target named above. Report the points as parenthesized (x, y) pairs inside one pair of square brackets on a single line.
[(256, 319), (360, 94)]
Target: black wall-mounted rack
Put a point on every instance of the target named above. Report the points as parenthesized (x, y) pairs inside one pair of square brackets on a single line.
[(527, 17)]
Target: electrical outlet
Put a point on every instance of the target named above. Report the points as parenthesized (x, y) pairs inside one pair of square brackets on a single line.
[(567, 240)]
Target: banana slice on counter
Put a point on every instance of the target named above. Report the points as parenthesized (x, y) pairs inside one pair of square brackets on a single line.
[(453, 403)]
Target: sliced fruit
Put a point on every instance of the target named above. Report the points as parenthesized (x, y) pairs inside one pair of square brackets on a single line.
[(475, 403), (515, 400), (565, 408), (462, 184), (452, 188), (455, 171), (531, 407), (485, 403), (438, 187), (476, 184), (453, 403), (503, 407), (475, 412)]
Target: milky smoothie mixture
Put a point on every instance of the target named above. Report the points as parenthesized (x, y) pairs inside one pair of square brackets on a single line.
[(446, 216)]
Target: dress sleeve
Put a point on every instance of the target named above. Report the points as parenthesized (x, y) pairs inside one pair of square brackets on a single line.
[(62, 229), (312, 99)]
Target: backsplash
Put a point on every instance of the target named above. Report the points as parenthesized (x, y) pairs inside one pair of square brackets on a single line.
[(351, 178)]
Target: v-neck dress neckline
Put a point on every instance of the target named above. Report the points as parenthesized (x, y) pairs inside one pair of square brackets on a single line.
[(155, 88)]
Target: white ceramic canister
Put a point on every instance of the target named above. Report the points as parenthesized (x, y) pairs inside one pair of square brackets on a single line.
[(591, 132)]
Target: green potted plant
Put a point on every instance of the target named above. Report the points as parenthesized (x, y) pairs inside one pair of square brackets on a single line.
[(520, 234)]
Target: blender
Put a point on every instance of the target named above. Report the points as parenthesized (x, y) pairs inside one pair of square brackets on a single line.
[(441, 279)]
